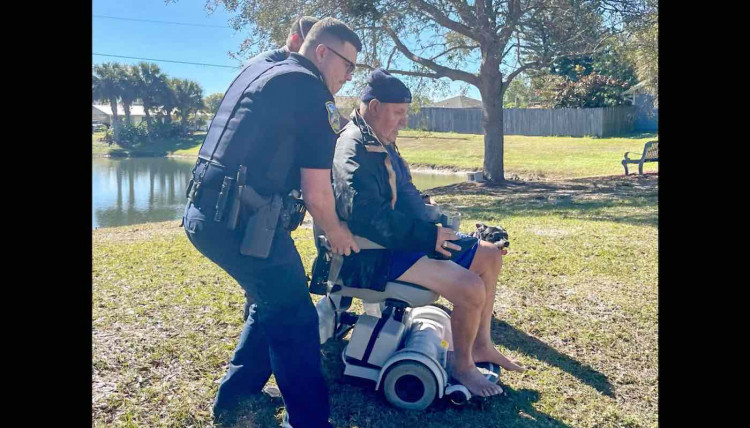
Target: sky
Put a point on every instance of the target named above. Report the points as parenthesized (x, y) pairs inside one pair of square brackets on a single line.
[(126, 29)]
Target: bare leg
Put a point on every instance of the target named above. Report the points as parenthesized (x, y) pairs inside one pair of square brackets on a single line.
[(487, 264), (466, 291)]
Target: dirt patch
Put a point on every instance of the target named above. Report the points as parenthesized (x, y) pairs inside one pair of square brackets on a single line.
[(617, 186)]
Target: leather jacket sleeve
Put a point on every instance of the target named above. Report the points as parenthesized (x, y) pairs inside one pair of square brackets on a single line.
[(364, 203)]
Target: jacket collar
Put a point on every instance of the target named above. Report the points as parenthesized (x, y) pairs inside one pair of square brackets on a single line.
[(365, 128), (304, 62)]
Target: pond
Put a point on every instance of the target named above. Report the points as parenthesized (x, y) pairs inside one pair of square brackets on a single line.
[(140, 190)]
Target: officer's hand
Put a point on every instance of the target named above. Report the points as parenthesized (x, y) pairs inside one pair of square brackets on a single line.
[(443, 236), (342, 241)]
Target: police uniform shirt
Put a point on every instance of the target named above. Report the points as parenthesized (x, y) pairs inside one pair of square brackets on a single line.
[(274, 55), (301, 105)]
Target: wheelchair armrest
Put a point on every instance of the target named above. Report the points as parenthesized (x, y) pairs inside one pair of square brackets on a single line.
[(362, 242), (365, 244)]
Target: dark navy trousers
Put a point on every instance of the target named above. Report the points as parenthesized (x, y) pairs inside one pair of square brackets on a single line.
[(280, 335)]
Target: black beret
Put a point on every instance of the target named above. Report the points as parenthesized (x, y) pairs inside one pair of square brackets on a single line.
[(385, 88)]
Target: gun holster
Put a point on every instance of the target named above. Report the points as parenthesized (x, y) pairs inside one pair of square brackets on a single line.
[(261, 228)]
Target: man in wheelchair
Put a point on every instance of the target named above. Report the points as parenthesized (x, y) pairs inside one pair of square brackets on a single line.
[(376, 197)]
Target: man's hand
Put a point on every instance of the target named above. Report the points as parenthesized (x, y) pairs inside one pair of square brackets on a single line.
[(443, 236), (341, 240), (318, 195)]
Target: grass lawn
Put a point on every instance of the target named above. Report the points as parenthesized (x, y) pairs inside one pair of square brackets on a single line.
[(180, 146), (528, 158), (525, 156), (576, 304)]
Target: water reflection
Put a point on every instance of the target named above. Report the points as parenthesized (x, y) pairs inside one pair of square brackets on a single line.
[(141, 190), (138, 190)]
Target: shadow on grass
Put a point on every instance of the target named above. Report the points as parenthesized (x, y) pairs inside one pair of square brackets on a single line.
[(617, 199), (354, 402), (516, 340), (570, 208), (638, 135)]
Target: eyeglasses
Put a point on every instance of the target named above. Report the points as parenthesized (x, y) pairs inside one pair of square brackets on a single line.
[(350, 65)]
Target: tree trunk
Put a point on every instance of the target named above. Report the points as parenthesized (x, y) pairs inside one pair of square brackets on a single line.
[(126, 107), (115, 119), (490, 88)]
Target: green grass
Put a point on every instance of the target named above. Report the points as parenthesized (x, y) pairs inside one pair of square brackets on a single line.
[(178, 146), (528, 158), (525, 156), (576, 304)]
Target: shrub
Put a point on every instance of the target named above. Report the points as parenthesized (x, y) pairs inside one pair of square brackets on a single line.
[(130, 135), (160, 130), (593, 90)]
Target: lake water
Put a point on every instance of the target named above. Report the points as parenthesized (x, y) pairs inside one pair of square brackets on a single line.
[(140, 190)]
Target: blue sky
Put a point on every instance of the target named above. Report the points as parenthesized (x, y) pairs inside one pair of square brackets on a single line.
[(207, 42)]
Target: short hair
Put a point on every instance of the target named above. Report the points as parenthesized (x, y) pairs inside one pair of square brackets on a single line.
[(302, 26), (328, 29)]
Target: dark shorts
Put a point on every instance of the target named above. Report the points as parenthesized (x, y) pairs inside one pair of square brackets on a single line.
[(401, 261)]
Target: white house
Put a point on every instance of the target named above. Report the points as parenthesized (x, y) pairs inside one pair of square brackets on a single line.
[(103, 113)]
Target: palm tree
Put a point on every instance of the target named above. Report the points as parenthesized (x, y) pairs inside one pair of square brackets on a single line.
[(107, 87), (130, 88), (167, 100), (188, 98), (152, 84)]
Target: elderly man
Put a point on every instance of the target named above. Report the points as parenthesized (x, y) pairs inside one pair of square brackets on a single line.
[(375, 196)]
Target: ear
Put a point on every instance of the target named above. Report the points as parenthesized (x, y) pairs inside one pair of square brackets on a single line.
[(320, 51), (373, 105), (480, 225)]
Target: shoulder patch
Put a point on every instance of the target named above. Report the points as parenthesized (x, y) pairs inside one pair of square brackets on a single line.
[(334, 118)]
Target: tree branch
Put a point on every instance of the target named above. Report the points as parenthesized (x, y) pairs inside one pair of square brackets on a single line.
[(470, 47), (405, 72), (440, 71), (464, 11), (443, 19)]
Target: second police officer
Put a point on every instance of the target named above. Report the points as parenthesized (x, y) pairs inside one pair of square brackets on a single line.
[(273, 135)]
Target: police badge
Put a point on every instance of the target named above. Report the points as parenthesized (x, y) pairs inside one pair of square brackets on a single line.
[(334, 118)]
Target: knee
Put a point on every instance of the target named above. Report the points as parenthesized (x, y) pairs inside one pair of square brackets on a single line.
[(289, 316), (473, 291), (490, 255)]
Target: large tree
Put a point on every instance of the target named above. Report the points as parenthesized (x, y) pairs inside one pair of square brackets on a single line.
[(151, 83), (485, 44), (107, 87), (188, 98), (213, 101), (167, 100), (131, 90)]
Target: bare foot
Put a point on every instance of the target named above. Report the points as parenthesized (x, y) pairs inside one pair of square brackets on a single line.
[(472, 379), (490, 354)]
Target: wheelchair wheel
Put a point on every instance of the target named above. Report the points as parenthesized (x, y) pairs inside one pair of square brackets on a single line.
[(410, 385)]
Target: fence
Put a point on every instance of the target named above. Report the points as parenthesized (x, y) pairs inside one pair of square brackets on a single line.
[(574, 122)]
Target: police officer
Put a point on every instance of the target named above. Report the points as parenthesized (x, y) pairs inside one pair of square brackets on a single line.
[(294, 41), (278, 121)]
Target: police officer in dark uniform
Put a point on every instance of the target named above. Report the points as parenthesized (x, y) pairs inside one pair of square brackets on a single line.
[(293, 43), (273, 135)]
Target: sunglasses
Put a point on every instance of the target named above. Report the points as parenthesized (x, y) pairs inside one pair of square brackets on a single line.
[(350, 65)]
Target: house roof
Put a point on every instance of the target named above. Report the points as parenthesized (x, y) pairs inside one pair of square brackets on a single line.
[(459, 101), (135, 110)]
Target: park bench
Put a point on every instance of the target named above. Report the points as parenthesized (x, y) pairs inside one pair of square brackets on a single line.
[(650, 154)]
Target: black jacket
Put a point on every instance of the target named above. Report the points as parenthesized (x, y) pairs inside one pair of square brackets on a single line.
[(364, 185)]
